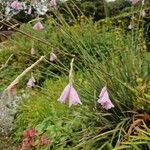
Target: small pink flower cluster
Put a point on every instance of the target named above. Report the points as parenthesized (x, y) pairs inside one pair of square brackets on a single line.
[(16, 5), (30, 138), (52, 3)]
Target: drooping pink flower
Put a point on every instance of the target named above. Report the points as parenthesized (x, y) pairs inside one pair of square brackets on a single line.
[(32, 51), (53, 56), (44, 140), (134, 1), (29, 11), (73, 97), (65, 94), (38, 26), (52, 3), (70, 93), (31, 82), (16, 5), (104, 99), (130, 26), (143, 13)]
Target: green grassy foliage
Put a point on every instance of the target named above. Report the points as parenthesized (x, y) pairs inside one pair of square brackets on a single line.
[(104, 55)]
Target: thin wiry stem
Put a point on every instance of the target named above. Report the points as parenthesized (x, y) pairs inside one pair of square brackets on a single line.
[(6, 63)]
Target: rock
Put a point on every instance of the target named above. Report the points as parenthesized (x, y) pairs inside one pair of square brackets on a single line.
[(8, 108), (9, 103)]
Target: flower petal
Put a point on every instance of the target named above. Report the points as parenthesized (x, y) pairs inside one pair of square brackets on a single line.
[(73, 97), (130, 26), (52, 3), (32, 51), (38, 26), (65, 94), (16, 5), (104, 99), (53, 56), (104, 89), (29, 11), (31, 82)]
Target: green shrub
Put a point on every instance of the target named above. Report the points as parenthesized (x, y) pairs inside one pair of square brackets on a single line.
[(38, 106), (64, 126)]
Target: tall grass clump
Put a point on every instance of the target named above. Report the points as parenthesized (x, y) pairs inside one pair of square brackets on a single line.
[(122, 64)]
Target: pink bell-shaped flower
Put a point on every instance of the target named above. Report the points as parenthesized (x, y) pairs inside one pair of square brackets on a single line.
[(130, 26), (65, 94), (38, 26), (52, 57), (31, 82), (73, 97), (52, 3), (143, 13), (104, 99), (32, 51), (69, 93), (29, 11), (16, 5)]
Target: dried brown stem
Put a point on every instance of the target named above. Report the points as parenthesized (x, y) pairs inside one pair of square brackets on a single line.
[(16, 81)]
